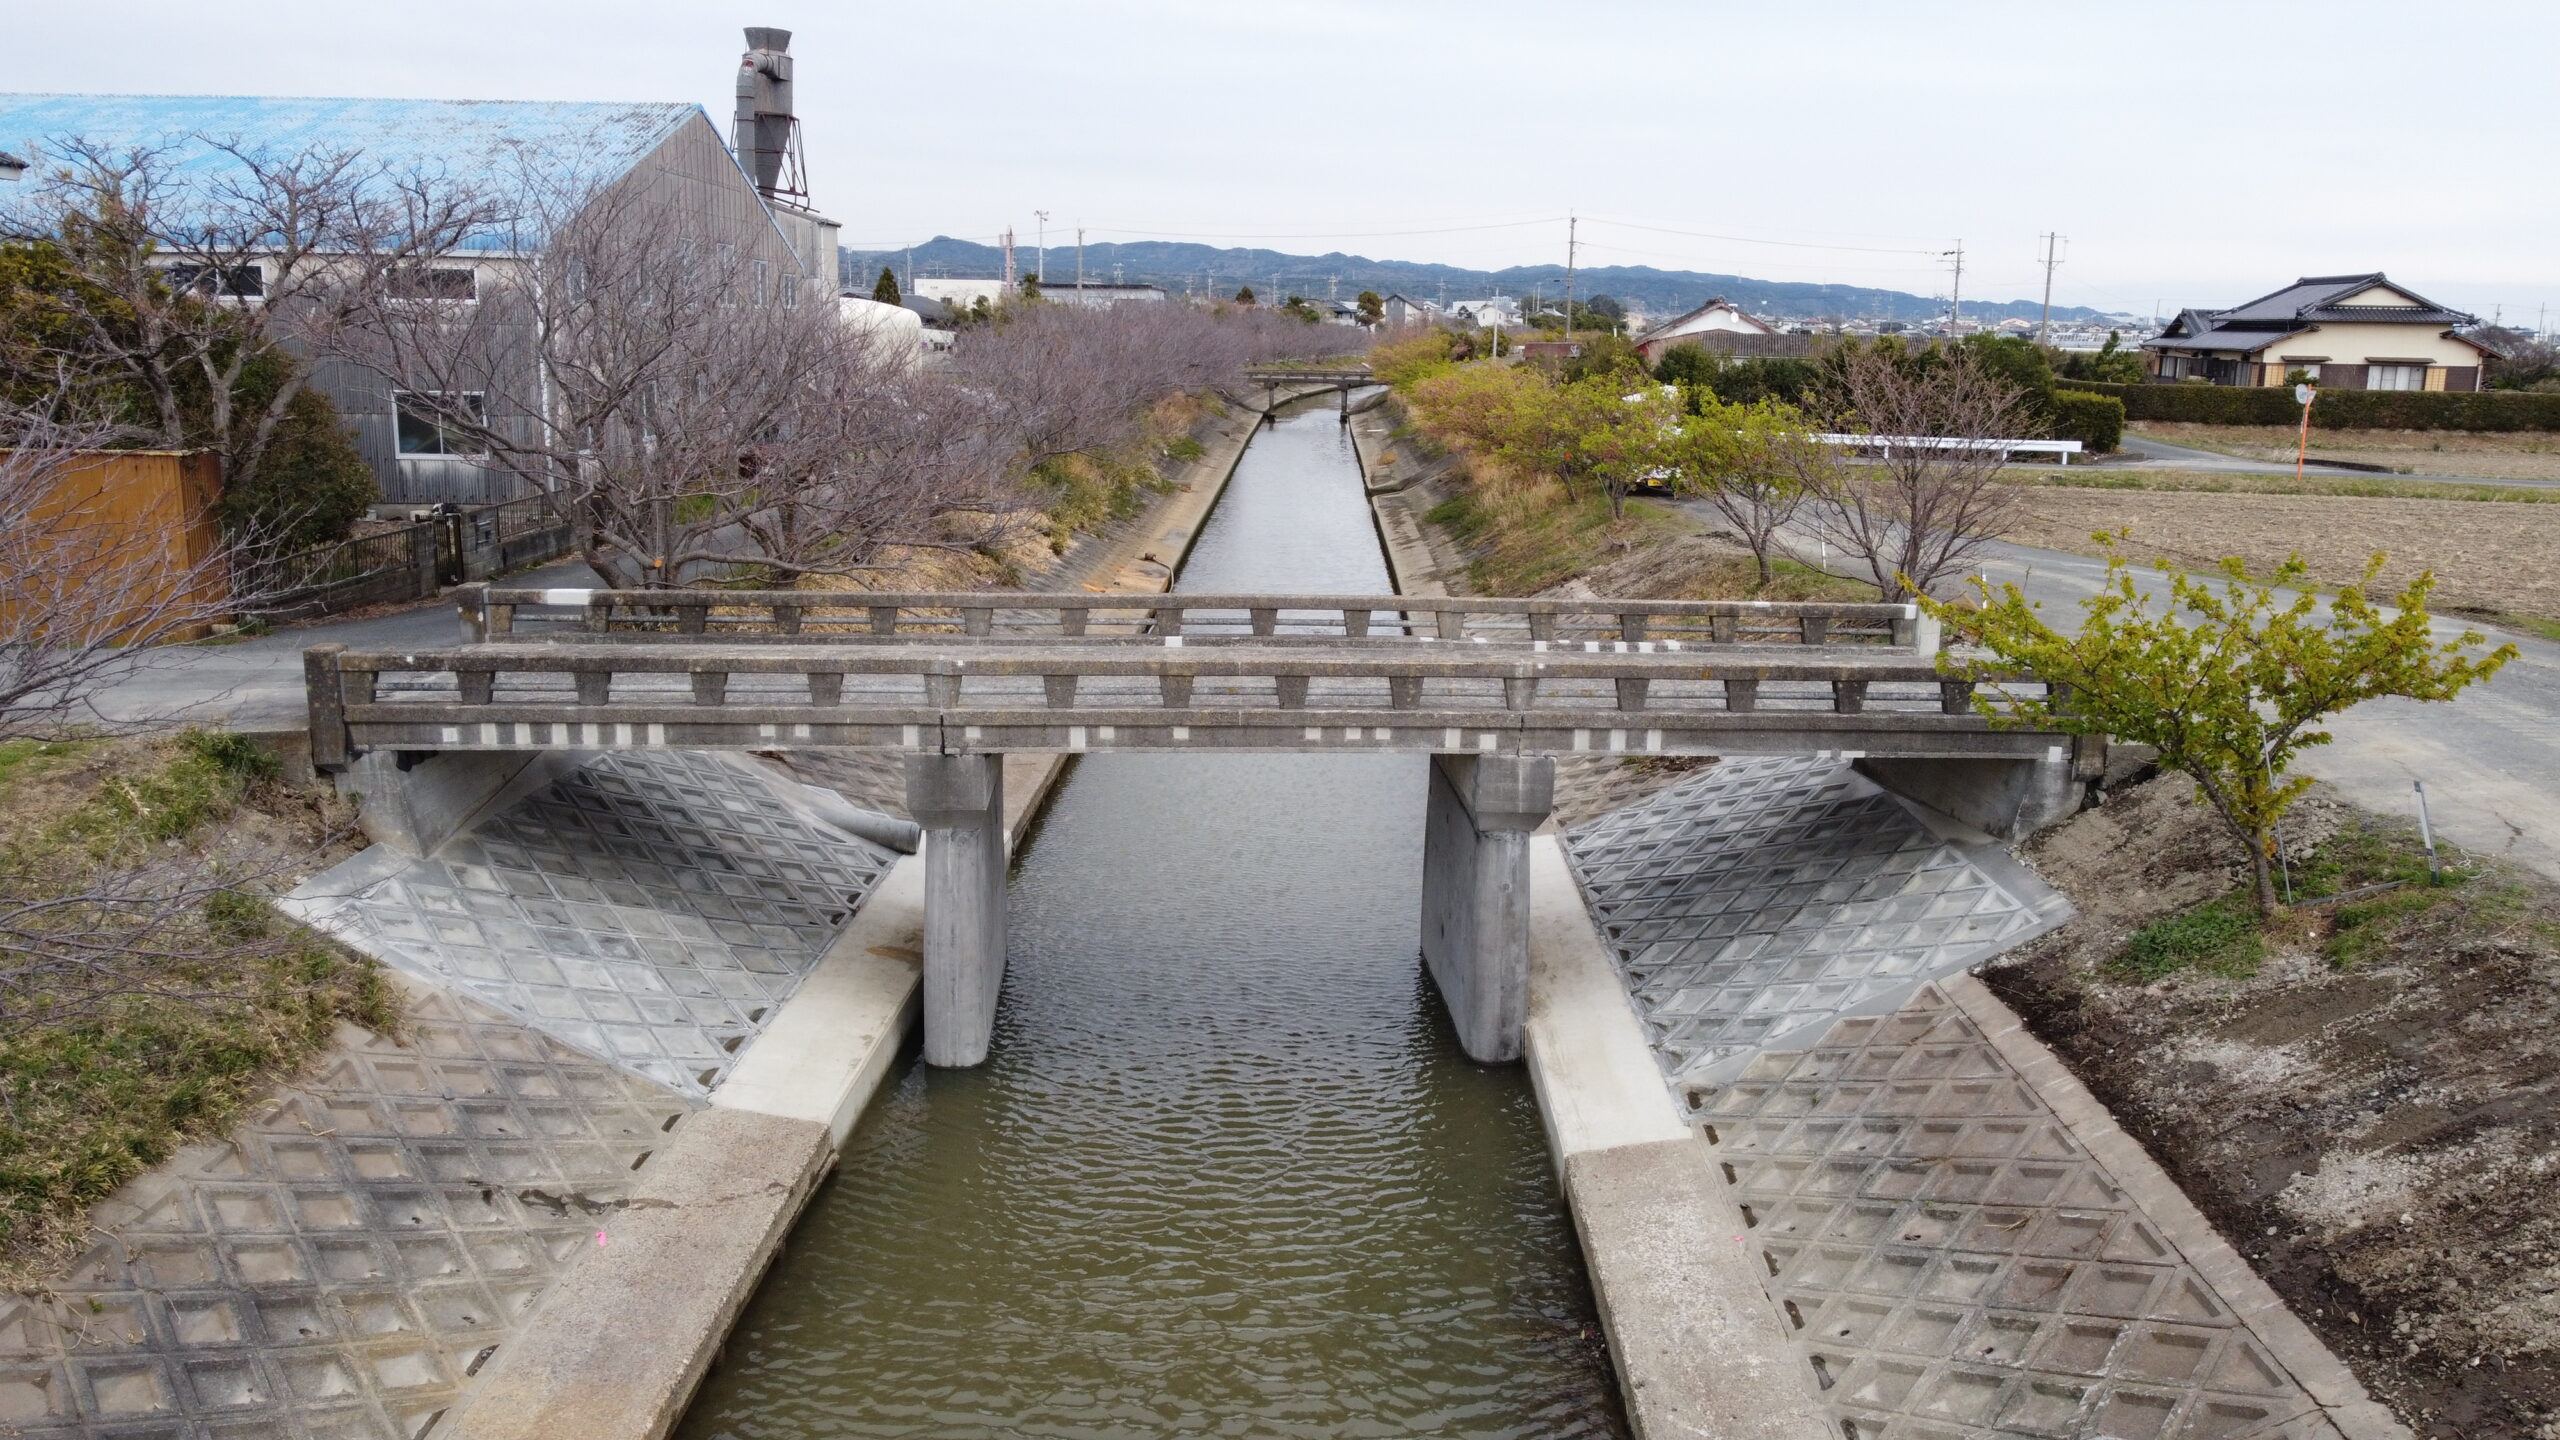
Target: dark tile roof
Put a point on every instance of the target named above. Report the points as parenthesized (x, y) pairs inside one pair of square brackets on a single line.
[(2306, 302)]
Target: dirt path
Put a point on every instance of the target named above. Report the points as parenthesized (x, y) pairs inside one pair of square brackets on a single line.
[(2486, 555), (2521, 455)]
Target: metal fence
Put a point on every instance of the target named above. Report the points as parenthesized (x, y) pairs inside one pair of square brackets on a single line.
[(413, 562)]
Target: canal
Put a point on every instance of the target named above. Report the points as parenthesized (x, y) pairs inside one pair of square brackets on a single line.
[(1226, 1171)]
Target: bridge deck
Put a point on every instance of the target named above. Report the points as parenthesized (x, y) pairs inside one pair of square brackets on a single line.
[(934, 696)]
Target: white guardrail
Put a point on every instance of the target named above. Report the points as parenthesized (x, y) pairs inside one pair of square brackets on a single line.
[(2061, 449)]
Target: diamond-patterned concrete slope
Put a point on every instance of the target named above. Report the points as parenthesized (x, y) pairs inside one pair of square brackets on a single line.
[(1761, 898), (1954, 1263), (653, 908), (338, 1266)]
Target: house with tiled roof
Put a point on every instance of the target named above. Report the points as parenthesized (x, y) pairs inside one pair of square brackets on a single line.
[(2348, 332)]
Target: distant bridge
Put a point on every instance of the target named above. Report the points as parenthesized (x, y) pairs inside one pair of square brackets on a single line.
[(1342, 378), (1492, 689)]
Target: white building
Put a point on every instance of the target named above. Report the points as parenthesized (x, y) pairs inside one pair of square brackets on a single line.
[(1718, 317)]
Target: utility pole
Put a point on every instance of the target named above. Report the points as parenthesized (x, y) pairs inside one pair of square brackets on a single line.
[(1008, 257), (1955, 290), (911, 269), (1079, 258), (1040, 265), (1571, 224), (2050, 260)]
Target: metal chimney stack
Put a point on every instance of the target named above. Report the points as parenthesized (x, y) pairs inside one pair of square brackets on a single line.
[(765, 134)]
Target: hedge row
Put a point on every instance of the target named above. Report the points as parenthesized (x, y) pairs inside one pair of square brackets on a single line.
[(2336, 409), (2096, 421)]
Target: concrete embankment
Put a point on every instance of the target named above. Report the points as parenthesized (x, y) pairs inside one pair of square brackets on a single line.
[(1698, 1351), (617, 1348)]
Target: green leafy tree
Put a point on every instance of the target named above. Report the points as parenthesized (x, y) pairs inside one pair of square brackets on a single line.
[(1751, 463), (2229, 680), (1604, 354), (885, 289), (1408, 361), (1298, 306), (1244, 295), (1030, 287), (1373, 311)]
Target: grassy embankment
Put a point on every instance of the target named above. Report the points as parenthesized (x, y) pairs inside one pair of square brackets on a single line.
[(106, 1068), (1524, 534)]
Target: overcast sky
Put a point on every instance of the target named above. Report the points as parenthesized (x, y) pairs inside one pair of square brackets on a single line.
[(2193, 153)]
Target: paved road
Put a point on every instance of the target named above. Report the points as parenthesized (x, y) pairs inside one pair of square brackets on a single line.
[(2147, 453), (2490, 760), (257, 684)]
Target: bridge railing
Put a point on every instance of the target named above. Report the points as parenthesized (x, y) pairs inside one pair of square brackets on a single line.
[(749, 615), (534, 694)]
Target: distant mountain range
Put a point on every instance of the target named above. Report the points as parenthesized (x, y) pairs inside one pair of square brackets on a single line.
[(1185, 268)]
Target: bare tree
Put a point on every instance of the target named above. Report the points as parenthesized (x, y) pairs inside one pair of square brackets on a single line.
[(87, 583), (1931, 495), (698, 404), (188, 276)]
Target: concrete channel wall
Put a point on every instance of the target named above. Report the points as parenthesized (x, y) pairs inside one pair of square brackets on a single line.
[(1698, 1353), (616, 1350)]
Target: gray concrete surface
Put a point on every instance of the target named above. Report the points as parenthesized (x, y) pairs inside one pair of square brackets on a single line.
[(959, 800), (1696, 1350), (1759, 899), (342, 1264), (649, 909), (416, 809), (256, 684), (617, 1348), (2005, 799), (1952, 1258), (1475, 892)]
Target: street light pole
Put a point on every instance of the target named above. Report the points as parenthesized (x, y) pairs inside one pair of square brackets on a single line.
[(1040, 264)]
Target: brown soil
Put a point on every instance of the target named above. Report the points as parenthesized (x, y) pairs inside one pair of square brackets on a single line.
[(2487, 556), (2378, 1137), (2495, 455)]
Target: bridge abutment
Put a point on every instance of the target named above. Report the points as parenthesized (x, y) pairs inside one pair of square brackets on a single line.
[(1475, 892), (959, 800), (2006, 798)]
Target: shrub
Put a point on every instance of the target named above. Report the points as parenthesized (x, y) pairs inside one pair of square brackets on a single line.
[(2096, 421), (2337, 409)]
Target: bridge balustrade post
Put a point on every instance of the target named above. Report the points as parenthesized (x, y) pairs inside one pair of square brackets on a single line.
[(959, 800), (327, 705), (1475, 892)]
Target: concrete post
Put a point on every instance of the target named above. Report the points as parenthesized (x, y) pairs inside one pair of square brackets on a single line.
[(959, 800), (1475, 892)]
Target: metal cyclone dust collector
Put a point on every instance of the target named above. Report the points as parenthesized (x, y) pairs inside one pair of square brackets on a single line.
[(765, 134)]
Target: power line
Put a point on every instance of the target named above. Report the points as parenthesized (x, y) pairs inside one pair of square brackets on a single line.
[(1752, 240)]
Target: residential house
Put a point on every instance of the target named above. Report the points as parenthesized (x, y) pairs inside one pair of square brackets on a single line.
[(1401, 311), (666, 160), (1712, 325), (2350, 332), (1499, 310)]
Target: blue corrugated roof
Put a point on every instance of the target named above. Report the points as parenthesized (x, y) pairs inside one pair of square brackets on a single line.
[(469, 141)]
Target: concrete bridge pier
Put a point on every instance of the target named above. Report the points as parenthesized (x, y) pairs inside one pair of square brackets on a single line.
[(1475, 892), (2004, 797), (959, 800)]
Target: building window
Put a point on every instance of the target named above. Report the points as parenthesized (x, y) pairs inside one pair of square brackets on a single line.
[(236, 281), (431, 282), (2395, 377), (430, 420), (764, 283)]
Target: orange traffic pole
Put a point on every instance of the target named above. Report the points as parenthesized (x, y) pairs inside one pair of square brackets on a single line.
[(2308, 393)]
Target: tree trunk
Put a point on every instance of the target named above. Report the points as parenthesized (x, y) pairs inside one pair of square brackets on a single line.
[(2263, 875)]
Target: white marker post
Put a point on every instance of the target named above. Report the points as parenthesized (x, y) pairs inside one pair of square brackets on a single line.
[(2303, 395)]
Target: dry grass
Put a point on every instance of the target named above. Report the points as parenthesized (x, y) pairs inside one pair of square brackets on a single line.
[(2375, 487), (2495, 455), (106, 1069)]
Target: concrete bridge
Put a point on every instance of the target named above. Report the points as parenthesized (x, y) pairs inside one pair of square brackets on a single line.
[(1493, 690), (1342, 378)]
